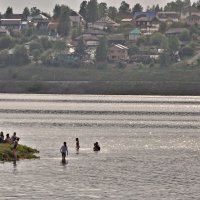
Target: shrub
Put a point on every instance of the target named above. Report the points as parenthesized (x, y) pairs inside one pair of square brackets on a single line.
[(187, 51)]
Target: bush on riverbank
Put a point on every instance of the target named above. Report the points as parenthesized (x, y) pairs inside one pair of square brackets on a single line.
[(23, 152)]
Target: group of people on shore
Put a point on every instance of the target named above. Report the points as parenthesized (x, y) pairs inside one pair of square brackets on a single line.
[(10, 140), (64, 148)]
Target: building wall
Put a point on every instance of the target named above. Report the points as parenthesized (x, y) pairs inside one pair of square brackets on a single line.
[(117, 54)]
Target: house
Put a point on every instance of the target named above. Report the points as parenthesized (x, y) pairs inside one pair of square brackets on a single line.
[(76, 19), (116, 39), (175, 31), (89, 40), (144, 14), (14, 24), (193, 20), (168, 17), (17, 16), (104, 23), (117, 52), (148, 25), (97, 33), (188, 11), (39, 21), (127, 21), (134, 34)]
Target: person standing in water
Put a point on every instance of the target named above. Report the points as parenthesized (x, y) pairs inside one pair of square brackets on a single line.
[(77, 145), (15, 144), (96, 147), (64, 151)]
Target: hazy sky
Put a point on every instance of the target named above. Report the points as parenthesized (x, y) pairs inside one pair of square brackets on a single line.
[(48, 5)]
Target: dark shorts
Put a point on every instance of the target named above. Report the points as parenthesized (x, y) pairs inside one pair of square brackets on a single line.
[(63, 154)]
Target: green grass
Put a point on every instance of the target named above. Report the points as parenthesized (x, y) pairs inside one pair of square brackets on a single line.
[(23, 152)]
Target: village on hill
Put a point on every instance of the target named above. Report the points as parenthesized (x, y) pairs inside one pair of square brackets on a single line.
[(121, 36)]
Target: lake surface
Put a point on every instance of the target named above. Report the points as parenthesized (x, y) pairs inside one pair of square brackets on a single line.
[(150, 147)]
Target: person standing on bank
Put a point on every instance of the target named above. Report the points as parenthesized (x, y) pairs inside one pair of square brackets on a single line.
[(77, 145), (64, 151)]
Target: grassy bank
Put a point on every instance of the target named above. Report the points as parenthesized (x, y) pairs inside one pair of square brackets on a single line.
[(175, 80), (23, 152)]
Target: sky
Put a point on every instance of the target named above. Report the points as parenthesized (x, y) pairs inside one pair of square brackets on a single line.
[(48, 5)]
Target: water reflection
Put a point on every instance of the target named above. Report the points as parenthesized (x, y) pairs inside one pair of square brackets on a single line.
[(64, 162), (14, 167)]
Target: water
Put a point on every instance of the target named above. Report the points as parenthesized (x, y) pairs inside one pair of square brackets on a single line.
[(150, 147)]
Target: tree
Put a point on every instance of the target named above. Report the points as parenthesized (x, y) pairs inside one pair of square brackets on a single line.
[(46, 44), (177, 5), (20, 56), (164, 59), (163, 27), (4, 58), (185, 36), (34, 11), (56, 11), (103, 10), (156, 38), (80, 50), (5, 42), (25, 13), (64, 26), (101, 52), (173, 44), (137, 8), (35, 45), (155, 8), (133, 50), (83, 10), (112, 12), (59, 45), (9, 12), (124, 8), (36, 55), (92, 11)]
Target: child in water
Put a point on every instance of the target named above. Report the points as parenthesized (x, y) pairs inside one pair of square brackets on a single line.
[(77, 145), (96, 146)]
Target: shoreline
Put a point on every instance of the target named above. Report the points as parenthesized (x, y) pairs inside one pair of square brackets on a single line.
[(182, 88)]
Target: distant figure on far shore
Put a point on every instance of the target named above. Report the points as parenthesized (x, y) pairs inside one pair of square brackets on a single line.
[(1, 137), (64, 151), (14, 137), (8, 139), (96, 147), (77, 145)]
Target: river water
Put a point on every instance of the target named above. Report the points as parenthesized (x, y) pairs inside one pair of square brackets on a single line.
[(150, 147)]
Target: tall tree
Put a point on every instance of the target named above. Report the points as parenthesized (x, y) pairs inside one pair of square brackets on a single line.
[(101, 52), (92, 11), (137, 8), (64, 26), (26, 13), (112, 12), (155, 8), (35, 11), (177, 5), (103, 9), (83, 10), (9, 12), (56, 11), (124, 8)]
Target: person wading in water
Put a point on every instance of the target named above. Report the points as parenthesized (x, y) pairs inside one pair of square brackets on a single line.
[(15, 149), (64, 151)]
